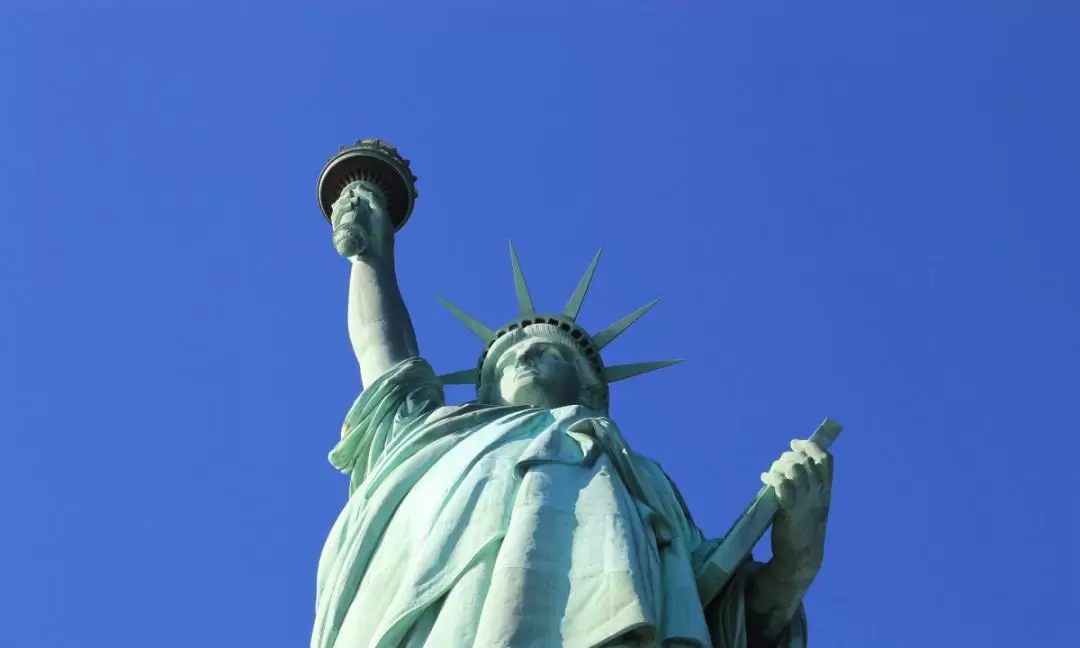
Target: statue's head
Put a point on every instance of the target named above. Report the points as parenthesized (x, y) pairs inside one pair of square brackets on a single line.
[(540, 365), (547, 360)]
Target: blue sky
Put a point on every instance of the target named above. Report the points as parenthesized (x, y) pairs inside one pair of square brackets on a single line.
[(859, 210)]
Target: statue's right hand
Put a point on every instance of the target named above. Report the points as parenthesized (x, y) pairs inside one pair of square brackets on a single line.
[(362, 228)]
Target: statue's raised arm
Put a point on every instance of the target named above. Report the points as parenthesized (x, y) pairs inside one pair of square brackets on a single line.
[(367, 192)]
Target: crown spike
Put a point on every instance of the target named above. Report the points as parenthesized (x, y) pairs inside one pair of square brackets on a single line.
[(525, 303), (463, 377), (622, 372), (573, 307), (483, 332), (604, 338)]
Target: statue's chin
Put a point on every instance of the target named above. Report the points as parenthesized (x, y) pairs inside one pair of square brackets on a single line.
[(533, 394), (527, 394)]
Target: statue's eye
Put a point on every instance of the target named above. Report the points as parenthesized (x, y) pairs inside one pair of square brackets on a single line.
[(552, 352)]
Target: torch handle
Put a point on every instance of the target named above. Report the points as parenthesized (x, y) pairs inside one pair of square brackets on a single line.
[(748, 529)]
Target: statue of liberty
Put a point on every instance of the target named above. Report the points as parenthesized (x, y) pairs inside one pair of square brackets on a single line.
[(524, 518)]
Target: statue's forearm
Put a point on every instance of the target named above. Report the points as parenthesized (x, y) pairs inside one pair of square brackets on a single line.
[(380, 329), (774, 594)]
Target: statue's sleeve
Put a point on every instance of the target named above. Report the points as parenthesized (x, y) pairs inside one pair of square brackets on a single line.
[(729, 624), (726, 615), (398, 402)]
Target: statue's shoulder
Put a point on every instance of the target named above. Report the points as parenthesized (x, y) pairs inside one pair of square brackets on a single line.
[(448, 411), (444, 411)]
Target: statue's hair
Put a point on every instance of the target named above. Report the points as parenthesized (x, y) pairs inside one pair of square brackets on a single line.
[(594, 389)]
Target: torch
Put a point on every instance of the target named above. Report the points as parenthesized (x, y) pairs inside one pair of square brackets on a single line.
[(377, 164)]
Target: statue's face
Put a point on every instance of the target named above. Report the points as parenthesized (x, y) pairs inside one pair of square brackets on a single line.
[(537, 373)]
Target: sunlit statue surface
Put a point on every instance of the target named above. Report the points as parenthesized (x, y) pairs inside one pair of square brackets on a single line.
[(524, 518)]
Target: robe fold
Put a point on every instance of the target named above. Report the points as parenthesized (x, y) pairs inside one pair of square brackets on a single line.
[(509, 527)]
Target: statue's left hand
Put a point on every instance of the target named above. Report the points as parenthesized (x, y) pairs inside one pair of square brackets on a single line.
[(802, 478)]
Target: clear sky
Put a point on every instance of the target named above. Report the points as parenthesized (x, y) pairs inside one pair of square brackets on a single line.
[(859, 210)]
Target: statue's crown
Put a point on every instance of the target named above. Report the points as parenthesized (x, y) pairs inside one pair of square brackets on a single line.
[(588, 345)]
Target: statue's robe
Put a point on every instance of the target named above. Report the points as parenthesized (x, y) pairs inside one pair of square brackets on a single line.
[(488, 527)]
